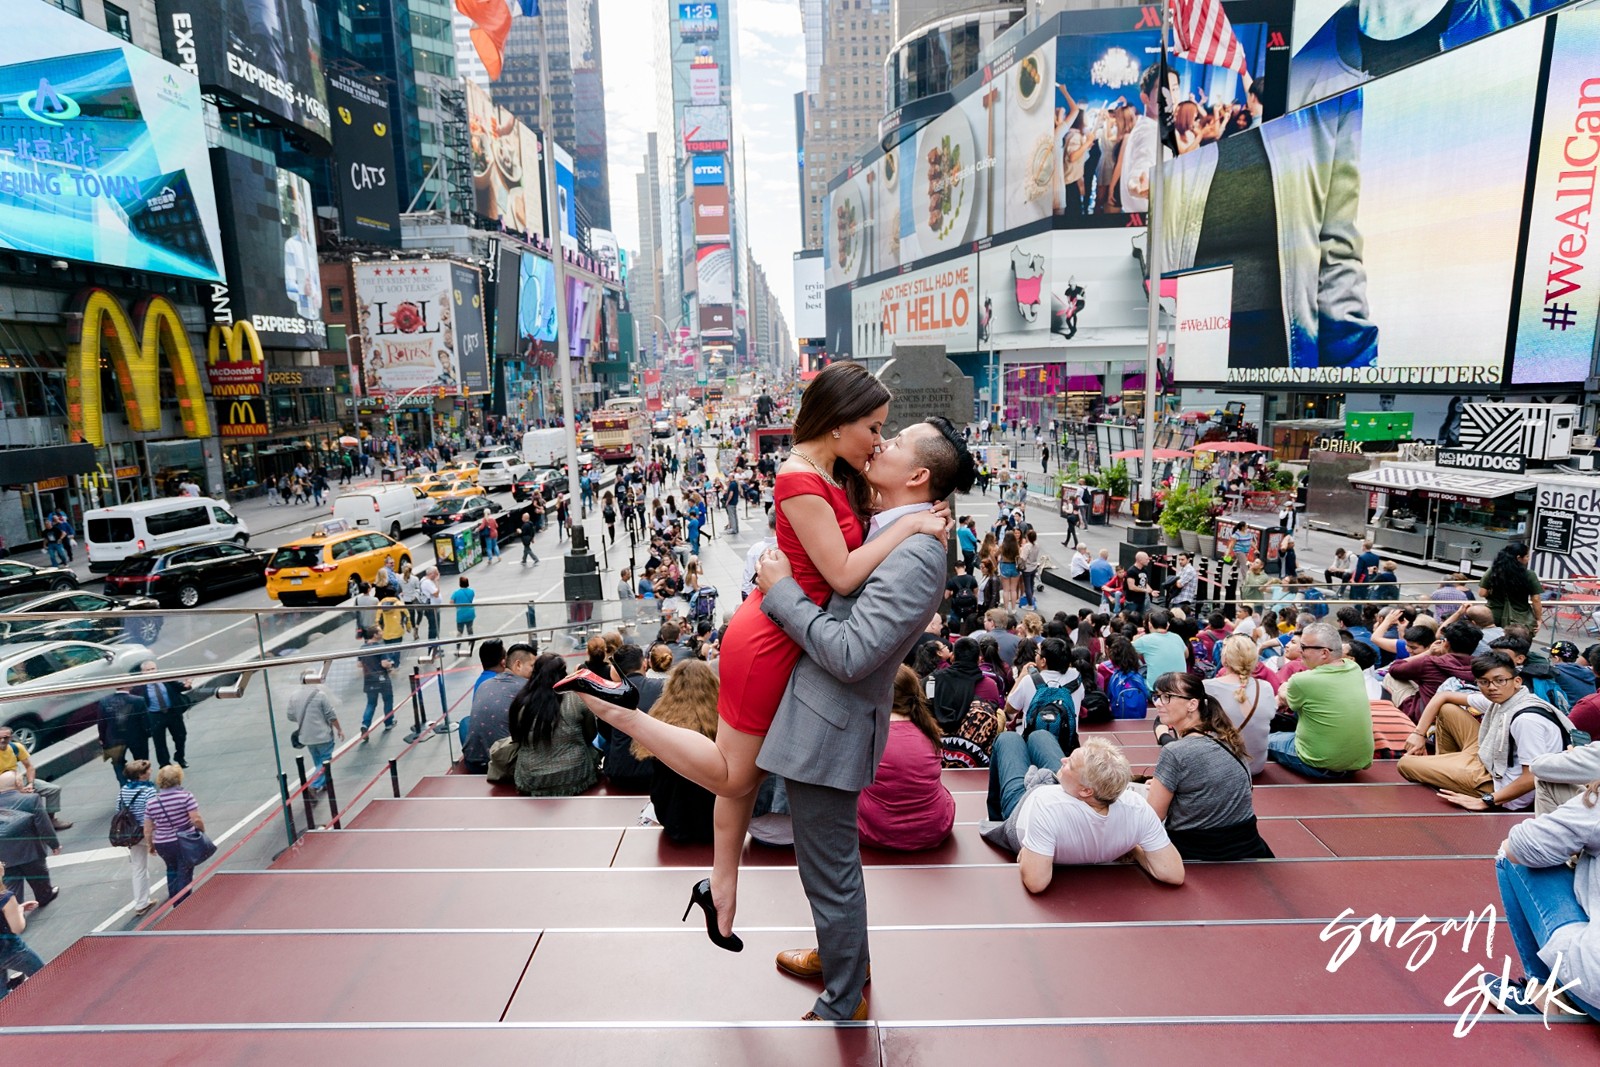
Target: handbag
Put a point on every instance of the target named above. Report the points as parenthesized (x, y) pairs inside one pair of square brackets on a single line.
[(196, 847), (294, 740), (502, 760)]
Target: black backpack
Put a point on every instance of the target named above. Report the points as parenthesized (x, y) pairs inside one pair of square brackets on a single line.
[(1569, 738), (964, 604), (1096, 706), (125, 829)]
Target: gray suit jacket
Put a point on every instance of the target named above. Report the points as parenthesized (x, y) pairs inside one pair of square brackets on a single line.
[(833, 721)]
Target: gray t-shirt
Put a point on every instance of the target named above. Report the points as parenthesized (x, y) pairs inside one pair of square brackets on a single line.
[(1209, 787)]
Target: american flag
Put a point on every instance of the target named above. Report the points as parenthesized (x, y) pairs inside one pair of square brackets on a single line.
[(1205, 35)]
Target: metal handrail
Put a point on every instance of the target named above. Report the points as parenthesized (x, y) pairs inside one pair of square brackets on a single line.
[(248, 667)]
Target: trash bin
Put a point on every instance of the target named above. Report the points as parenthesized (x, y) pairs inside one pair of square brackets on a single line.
[(458, 548)]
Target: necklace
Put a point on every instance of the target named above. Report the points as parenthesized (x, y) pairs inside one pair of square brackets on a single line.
[(814, 465)]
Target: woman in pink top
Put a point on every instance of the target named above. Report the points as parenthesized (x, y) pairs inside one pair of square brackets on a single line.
[(907, 807)]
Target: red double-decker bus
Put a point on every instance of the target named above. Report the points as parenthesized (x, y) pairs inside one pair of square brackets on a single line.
[(620, 435)]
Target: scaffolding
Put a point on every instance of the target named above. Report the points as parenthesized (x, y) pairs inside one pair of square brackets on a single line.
[(457, 137)]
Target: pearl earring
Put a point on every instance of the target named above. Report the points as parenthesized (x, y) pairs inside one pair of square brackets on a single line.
[(836, 435)]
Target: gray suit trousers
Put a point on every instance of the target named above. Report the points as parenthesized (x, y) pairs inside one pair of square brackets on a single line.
[(827, 848)]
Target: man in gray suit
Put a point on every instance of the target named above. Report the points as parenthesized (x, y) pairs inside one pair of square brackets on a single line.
[(833, 722)]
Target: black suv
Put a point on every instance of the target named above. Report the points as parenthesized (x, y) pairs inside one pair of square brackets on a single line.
[(450, 510), (186, 575)]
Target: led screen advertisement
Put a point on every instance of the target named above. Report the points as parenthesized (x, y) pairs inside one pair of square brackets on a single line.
[(1340, 44), (270, 244), (266, 53), (406, 316), (710, 170), (1051, 134), (536, 306), (472, 345), (102, 152), (809, 320), (706, 129), (567, 198), (714, 268), (1388, 254), (697, 22), (363, 159), (935, 305), (711, 213), (1061, 290), (1557, 302), (507, 175)]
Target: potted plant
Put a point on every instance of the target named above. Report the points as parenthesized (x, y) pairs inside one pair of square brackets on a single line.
[(1115, 481), (1174, 511)]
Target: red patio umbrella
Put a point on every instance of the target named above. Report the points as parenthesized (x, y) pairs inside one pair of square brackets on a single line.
[(1159, 453), (1231, 446)]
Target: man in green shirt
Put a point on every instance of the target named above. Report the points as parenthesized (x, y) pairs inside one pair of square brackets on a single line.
[(1333, 732)]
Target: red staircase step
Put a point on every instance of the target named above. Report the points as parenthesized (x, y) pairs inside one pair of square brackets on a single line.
[(1328, 798), (452, 849), (1441, 835), (243, 978), (276, 900), (452, 813)]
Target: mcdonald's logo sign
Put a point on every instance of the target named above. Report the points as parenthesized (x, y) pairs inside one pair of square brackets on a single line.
[(243, 371), (243, 417), (100, 327)]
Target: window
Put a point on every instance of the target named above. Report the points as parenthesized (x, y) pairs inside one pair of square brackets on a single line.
[(110, 531), (117, 22), (30, 669), (176, 520), (225, 517), (71, 7), (335, 298), (77, 656)]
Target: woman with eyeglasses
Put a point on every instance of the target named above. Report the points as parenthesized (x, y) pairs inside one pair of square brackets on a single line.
[(1201, 784)]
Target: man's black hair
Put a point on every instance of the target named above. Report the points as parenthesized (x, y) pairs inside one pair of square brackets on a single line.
[(492, 653), (628, 659), (1462, 637), (950, 465), (1057, 654)]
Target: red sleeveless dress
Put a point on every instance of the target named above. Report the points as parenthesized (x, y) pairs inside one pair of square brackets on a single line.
[(757, 656)]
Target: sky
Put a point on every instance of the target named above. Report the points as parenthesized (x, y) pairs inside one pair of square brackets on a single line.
[(772, 67)]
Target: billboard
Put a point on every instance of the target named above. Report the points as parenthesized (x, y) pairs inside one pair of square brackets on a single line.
[(267, 53), (471, 340), (102, 151), (716, 321), (406, 316), (270, 245), (536, 306), (935, 305), (507, 294), (1557, 302), (1049, 135), (711, 213), (1339, 44), (710, 170), (706, 129), (714, 267), (1387, 255), (363, 160), (809, 320), (1061, 289), (697, 22), (507, 170), (567, 198), (705, 84)]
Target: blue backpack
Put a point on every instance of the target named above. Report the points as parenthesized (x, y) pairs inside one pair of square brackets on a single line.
[(1129, 694)]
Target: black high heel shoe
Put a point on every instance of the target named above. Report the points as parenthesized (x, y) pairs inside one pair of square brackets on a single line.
[(583, 680), (701, 895)]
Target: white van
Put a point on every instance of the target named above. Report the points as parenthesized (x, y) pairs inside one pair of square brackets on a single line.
[(111, 535), (392, 509)]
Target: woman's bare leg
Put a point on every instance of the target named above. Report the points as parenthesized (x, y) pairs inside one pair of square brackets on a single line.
[(726, 766), (731, 820)]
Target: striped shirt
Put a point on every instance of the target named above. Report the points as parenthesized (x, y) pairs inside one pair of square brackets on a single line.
[(135, 796), (169, 809)]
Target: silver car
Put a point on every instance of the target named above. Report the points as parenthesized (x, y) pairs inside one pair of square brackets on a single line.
[(39, 720)]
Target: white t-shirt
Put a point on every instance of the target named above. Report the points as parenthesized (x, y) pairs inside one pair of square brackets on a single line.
[(1022, 692), (1535, 736), (1053, 824)]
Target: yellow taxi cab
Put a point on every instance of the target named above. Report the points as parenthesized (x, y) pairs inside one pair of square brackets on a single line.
[(450, 487), (331, 564), (419, 477)]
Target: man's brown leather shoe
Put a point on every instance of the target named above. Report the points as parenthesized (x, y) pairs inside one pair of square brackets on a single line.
[(805, 963), (857, 1016), (800, 962)]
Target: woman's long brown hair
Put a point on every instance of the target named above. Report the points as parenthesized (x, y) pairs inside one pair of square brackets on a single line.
[(842, 392)]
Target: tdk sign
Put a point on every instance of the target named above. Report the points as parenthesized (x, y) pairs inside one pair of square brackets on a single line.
[(710, 170)]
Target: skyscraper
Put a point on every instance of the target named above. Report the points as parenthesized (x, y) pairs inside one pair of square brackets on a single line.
[(844, 100), (577, 99), (648, 298)]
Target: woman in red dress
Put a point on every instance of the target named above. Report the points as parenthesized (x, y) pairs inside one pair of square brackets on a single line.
[(822, 501)]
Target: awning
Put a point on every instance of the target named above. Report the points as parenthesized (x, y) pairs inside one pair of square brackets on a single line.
[(1441, 484)]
